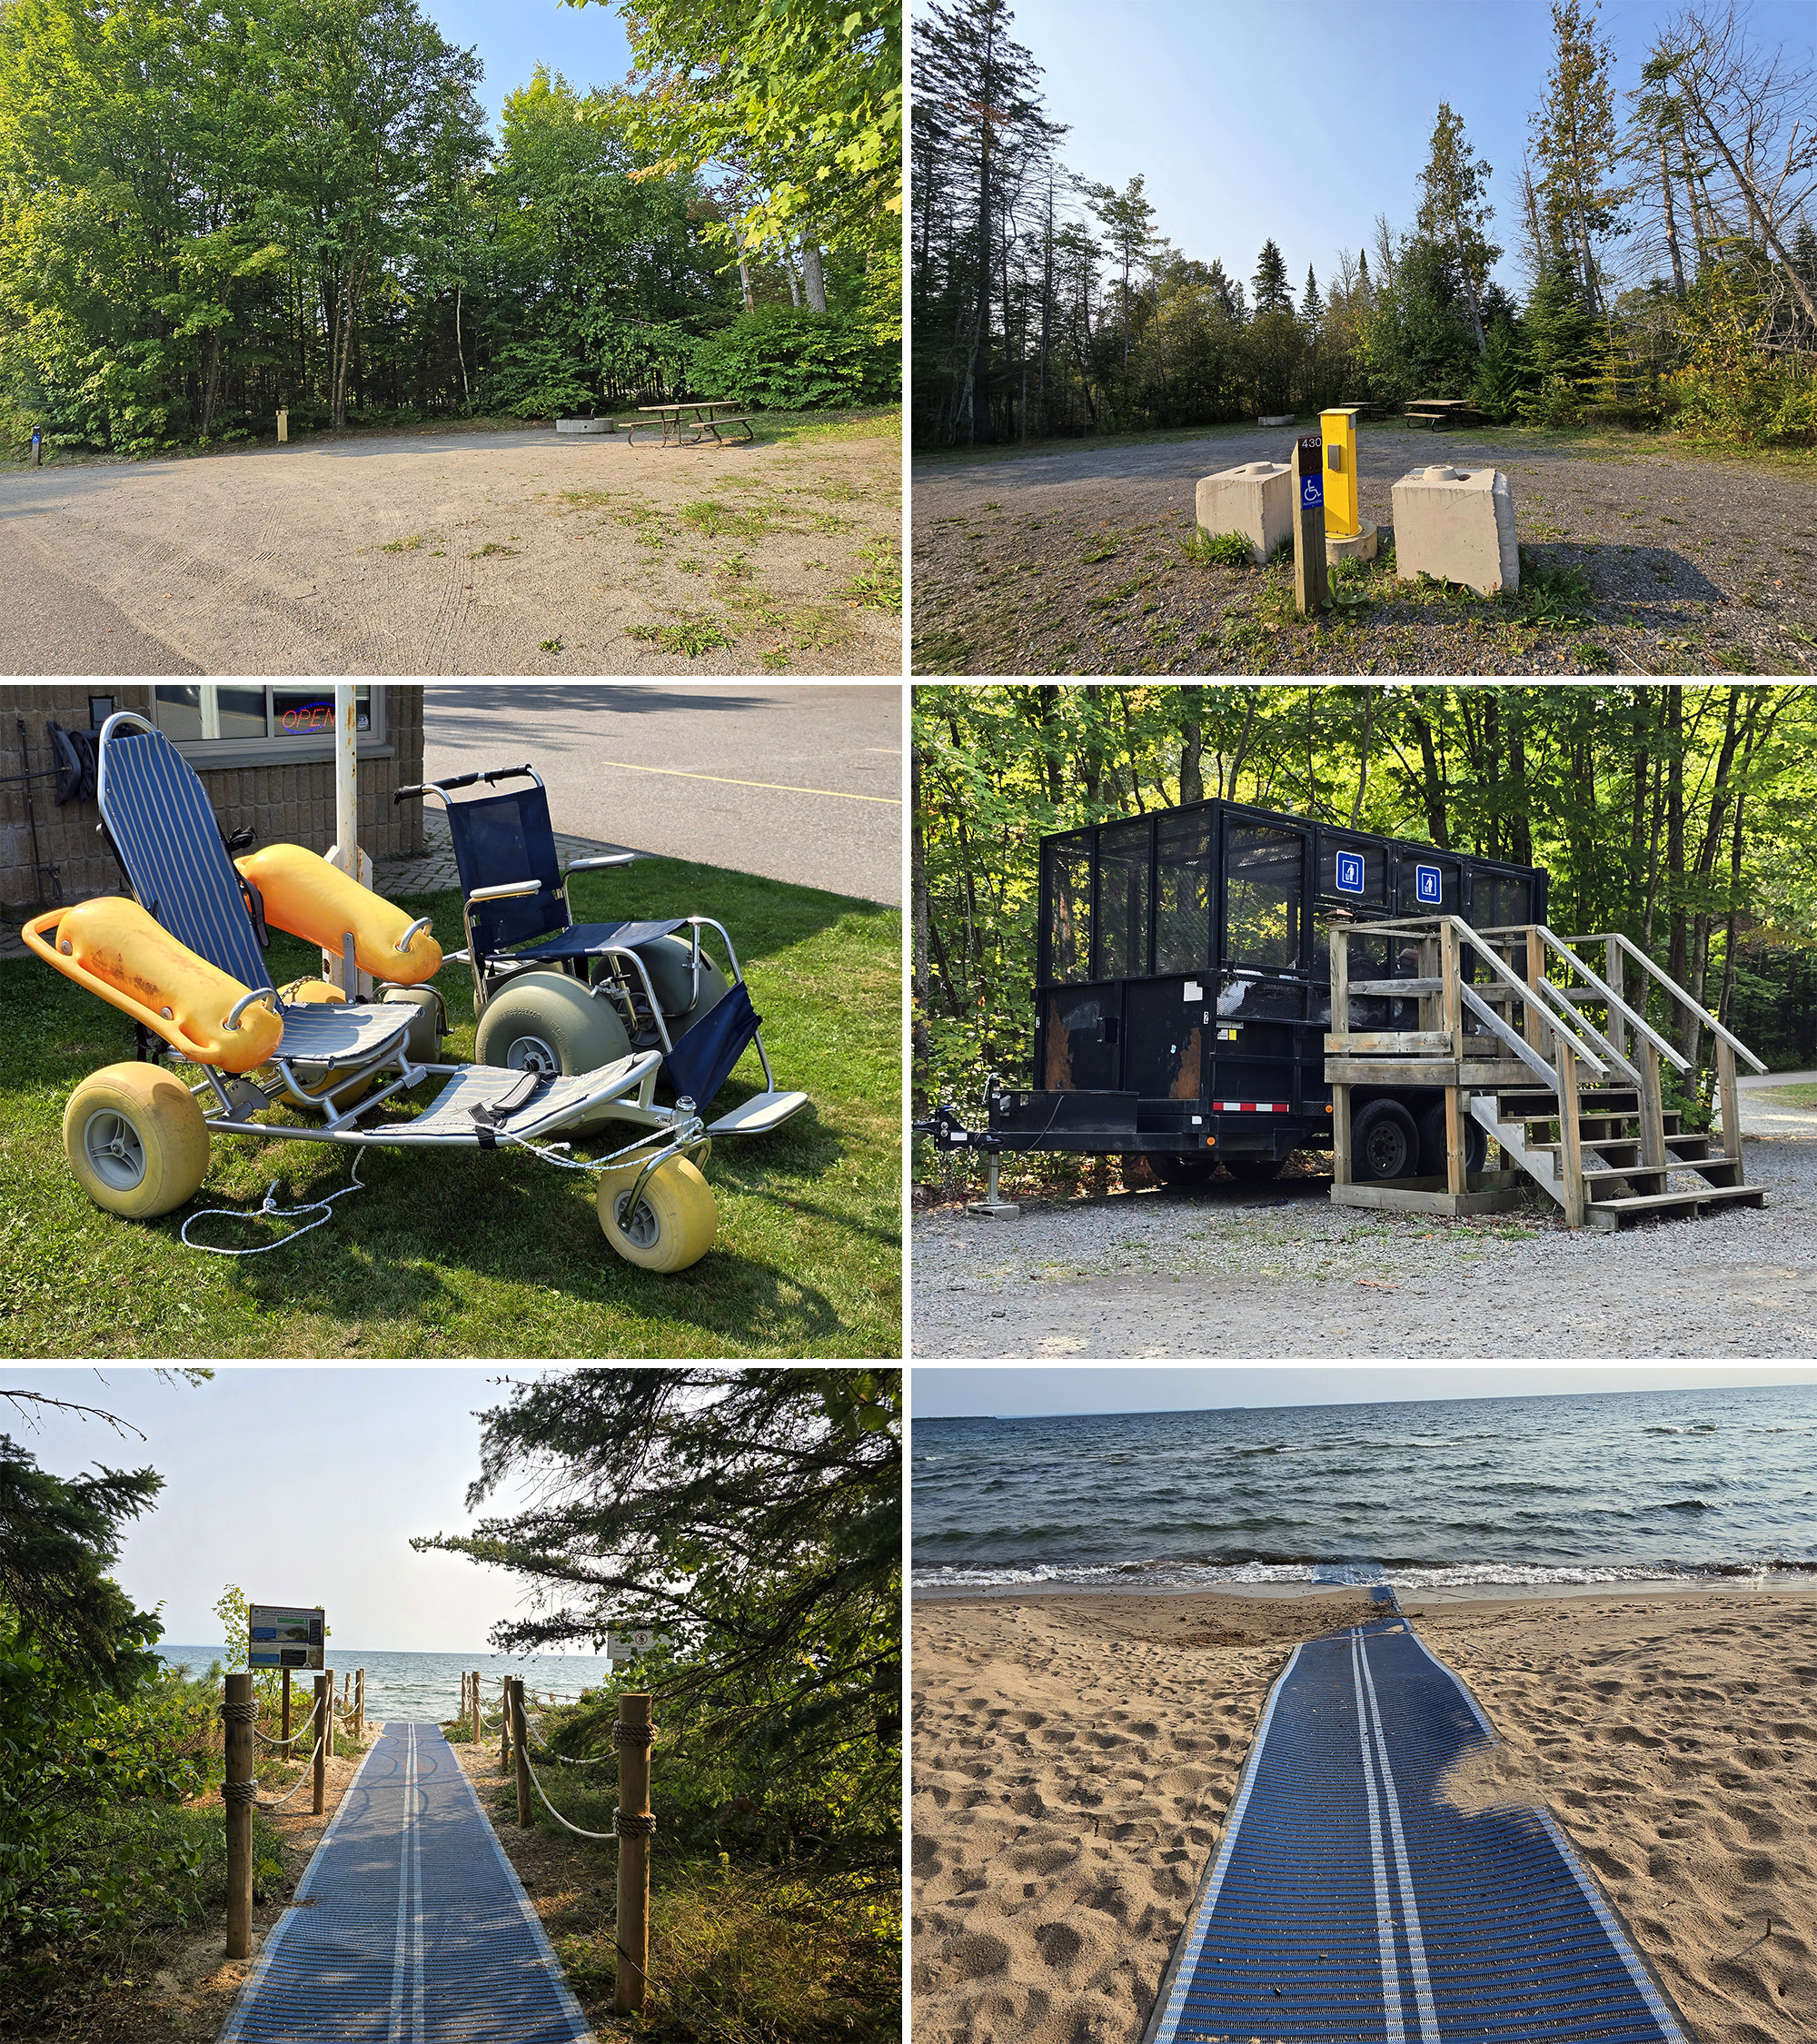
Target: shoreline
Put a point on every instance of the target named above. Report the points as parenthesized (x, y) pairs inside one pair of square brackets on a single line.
[(1076, 1754), (1804, 1585)]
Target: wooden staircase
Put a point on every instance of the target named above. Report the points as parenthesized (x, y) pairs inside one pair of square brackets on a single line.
[(1573, 1104), (1620, 1184)]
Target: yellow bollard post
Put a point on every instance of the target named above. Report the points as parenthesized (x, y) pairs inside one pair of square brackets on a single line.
[(283, 425), (1347, 538)]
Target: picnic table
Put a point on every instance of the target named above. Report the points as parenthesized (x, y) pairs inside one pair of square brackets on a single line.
[(707, 419), (1435, 411)]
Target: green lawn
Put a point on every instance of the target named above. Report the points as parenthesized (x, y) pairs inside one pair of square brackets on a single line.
[(467, 1253)]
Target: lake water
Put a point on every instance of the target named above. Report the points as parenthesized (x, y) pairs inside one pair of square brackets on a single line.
[(428, 1685), (1508, 1494)]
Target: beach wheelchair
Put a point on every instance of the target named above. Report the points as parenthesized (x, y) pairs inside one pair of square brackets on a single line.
[(184, 959), (552, 995)]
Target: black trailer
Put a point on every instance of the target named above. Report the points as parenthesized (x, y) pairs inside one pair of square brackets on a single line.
[(1183, 990)]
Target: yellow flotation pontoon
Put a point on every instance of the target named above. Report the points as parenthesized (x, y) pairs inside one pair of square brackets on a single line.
[(186, 961)]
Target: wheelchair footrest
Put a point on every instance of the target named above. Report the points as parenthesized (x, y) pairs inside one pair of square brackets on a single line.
[(758, 1115)]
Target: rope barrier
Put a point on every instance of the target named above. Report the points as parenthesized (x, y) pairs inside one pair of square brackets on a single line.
[(601, 1836), (293, 1736), (325, 1205), (306, 1775)]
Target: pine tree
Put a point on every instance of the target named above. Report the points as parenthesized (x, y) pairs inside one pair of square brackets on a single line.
[(1272, 292), (1575, 142), (1561, 347), (1502, 376), (1312, 306), (1453, 210)]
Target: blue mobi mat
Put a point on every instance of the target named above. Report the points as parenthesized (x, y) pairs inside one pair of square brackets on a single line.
[(1349, 1903), (410, 1925)]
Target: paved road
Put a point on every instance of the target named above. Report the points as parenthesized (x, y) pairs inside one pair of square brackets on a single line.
[(800, 783)]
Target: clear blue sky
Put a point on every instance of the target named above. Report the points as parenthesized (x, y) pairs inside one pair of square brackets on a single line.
[(586, 44), (1303, 119), (1042, 1390), (303, 1486)]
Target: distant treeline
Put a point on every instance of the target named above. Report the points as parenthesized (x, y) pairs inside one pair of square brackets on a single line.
[(1670, 260), (207, 214)]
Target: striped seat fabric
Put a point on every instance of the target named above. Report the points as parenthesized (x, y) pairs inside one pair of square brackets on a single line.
[(156, 811)]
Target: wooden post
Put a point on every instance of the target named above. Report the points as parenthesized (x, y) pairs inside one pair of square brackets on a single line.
[(285, 1728), (478, 1713), (1614, 961), (1570, 1139), (1535, 1008), (1340, 979), (525, 1815), (323, 1710), (359, 1706), (504, 1723), (1450, 968), (635, 1825), (1340, 1133), (1653, 1152), (1728, 1094), (1311, 588), (238, 1712)]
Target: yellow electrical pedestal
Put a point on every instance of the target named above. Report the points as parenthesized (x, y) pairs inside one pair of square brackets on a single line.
[(1347, 538)]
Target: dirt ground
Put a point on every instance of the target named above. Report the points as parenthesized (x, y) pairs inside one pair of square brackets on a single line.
[(1068, 561), (1231, 1271), (462, 552)]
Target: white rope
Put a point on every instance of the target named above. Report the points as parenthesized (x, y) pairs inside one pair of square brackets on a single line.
[(535, 1724), (293, 1736), (324, 1206), (559, 1819), (308, 1766)]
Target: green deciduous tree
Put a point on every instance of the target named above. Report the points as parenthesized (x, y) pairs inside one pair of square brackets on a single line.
[(752, 1515)]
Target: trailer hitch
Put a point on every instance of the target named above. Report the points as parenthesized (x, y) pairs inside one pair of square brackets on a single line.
[(944, 1128)]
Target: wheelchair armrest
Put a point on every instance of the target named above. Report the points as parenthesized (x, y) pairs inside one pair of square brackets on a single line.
[(592, 865), (506, 890)]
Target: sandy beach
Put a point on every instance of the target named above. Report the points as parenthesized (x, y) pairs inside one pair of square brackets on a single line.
[(1075, 1755)]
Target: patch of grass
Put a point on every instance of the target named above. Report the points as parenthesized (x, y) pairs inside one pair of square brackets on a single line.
[(1551, 598), (1733, 660), (692, 567), (946, 653), (689, 636), (1590, 654), (806, 429), (1200, 548), (548, 645), (407, 545), (776, 661), (487, 1253), (1803, 1097), (715, 520), (735, 568), (880, 585), (588, 499), (492, 546), (1098, 554)]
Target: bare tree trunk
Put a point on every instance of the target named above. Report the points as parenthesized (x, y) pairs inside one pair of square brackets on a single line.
[(1671, 223), (211, 381), (813, 278), (460, 356), (745, 283)]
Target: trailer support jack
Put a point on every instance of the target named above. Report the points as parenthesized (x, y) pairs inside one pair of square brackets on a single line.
[(991, 1206)]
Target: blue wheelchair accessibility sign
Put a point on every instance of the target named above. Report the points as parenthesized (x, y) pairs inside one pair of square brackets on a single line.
[(1429, 884), (1312, 492), (1349, 872)]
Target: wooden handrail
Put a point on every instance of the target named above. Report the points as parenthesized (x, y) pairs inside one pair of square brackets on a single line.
[(1705, 1018), (1635, 1019)]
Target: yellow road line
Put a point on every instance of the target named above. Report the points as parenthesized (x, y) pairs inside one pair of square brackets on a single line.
[(775, 786)]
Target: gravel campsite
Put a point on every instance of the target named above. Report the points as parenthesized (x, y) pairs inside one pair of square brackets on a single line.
[(466, 549), (1639, 557), (1230, 1271)]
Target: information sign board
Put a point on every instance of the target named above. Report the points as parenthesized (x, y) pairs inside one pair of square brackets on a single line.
[(626, 1646), (286, 1635)]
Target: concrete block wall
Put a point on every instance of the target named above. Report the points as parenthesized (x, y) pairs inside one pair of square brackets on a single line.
[(287, 802)]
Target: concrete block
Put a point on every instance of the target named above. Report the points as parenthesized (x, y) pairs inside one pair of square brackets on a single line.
[(1255, 500), (1351, 546), (1457, 525), (1276, 419)]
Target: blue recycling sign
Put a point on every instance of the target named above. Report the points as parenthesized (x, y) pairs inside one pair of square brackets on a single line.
[(1312, 493), (1429, 884), (1349, 872)]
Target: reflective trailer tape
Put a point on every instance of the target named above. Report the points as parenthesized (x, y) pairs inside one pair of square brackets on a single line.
[(1251, 1108)]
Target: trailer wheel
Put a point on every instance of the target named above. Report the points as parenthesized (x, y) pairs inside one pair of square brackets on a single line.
[(136, 1139), (1384, 1142), (675, 1221), (1176, 1169), (1432, 1142), (1253, 1170)]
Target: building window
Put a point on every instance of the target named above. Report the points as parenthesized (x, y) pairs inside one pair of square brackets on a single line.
[(221, 723)]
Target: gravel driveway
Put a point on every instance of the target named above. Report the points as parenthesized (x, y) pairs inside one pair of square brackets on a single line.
[(1068, 563), (1228, 1273), (460, 550)]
